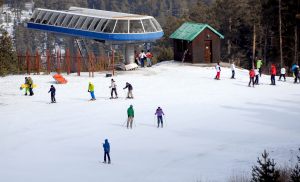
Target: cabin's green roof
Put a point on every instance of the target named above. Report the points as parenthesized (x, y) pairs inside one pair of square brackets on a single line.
[(189, 31)]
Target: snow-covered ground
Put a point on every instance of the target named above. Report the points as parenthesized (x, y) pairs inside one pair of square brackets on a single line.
[(213, 128)]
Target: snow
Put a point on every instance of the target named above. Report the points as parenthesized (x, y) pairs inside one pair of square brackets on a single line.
[(213, 129)]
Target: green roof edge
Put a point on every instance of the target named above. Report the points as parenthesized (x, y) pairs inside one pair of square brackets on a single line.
[(205, 26)]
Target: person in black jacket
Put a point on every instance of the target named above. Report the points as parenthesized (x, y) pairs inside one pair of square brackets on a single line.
[(52, 90), (129, 93)]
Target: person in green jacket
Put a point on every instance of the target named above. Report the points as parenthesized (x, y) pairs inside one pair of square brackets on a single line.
[(259, 64), (30, 83), (91, 90), (130, 114)]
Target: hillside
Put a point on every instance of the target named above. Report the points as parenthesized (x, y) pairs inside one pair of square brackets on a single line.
[(212, 130)]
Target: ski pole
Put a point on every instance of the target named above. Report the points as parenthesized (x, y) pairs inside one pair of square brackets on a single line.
[(165, 121), (134, 122), (124, 122)]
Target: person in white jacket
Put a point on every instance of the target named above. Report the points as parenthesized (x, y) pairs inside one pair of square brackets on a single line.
[(113, 87), (282, 73), (218, 69), (232, 66)]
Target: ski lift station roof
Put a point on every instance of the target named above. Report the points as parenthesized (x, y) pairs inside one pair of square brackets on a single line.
[(97, 24)]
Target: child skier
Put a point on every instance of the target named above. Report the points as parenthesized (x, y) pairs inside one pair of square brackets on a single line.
[(52, 90), (91, 90), (251, 74), (129, 93), (282, 73), (218, 69), (130, 114), (273, 74), (256, 81), (149, 58), (159, 113), (113, 87), (232, 66), (106, 148)]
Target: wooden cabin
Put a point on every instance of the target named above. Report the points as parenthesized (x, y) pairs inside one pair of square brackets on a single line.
[(197, 43)]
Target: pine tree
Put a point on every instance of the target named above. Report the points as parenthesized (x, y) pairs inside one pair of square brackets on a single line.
[(265, 171), (295, 175), (8, 61)]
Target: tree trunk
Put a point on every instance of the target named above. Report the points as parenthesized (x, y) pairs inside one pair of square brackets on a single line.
[(296, 45), (228, 40), (266, 45), (254, 45), (280, 36)]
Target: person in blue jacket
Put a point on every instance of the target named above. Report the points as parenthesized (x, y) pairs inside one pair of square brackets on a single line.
[(106, 148), (52, 90), (295, 70)]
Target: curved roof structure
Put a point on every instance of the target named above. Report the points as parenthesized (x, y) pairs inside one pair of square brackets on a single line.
[(97, 24)]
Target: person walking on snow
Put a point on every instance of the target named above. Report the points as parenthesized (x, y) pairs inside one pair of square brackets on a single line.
[(295, 70), (259, 64), (149, 58), (282, 73), (129, 93), (273, 74), (113, 87), (256, 81), (232, 66), (218, 69), (52, 90), (251, 74), (27, 86), (30, 85), (159, 113), (106, 148), (130, 114), (91, 90)]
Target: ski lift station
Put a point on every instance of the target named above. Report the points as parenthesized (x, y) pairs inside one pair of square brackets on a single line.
[(112, 28)]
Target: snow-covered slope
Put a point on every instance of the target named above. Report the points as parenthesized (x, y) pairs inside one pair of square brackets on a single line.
[(213, 128)]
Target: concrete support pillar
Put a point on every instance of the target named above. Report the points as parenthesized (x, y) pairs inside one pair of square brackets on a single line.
[(129, 53)]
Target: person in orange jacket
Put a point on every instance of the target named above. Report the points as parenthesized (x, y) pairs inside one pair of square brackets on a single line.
[(252, 75), (273, 74)]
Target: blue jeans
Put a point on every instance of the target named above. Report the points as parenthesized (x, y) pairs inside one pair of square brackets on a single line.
[(159, 120), (92, 95)]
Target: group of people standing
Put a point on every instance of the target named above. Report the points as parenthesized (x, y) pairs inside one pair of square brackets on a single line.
[(142, 58), (113, 92), (256, 72)]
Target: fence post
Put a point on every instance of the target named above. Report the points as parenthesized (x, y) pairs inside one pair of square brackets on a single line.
[(58, 61), (113, 62), (28, 62), (37, 62), (68, 62), (48, 62)]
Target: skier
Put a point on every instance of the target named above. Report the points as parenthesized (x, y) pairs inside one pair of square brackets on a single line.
[(159, 113), (91, 89), (259, 64), (251, 74), (113, 87), (218, 69), (282, 73), (106, 147), (256, 81), (52, 90), (129, 93), (273, 74), (30, 84), (232, 66), (149, 58), (27, 86), (130, 114), (295, 70), (142, 57)]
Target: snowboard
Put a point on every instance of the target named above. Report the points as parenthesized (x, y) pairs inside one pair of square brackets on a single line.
[(27, 86)]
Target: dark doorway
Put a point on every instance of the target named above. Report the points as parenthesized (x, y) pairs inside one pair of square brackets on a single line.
[(208, 51)]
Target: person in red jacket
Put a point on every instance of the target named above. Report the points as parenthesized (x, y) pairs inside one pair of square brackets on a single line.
[(273, 74), (252, 75)]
